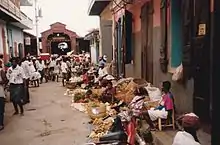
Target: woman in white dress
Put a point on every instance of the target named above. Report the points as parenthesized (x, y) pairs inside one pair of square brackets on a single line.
[(34, 75)]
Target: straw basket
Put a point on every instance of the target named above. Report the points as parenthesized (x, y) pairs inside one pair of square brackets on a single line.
[(96, 112)]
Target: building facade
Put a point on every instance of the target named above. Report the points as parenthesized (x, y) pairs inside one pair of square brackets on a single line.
[(102, 9), (151, 38), (94, 39), (12, 23), (58, 40)]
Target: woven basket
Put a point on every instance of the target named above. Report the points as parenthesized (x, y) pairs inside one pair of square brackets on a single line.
[(140, 82), (96, 112)]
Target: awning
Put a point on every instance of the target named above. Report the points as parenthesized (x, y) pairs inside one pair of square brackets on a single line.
[(97, 6)]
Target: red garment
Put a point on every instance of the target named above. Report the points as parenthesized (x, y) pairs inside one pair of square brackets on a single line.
[(168, 102), (85, 79), (131, 131)]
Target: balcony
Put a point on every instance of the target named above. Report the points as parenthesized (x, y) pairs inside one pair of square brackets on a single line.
[(11, 13), (9, 8), (97, 6), (24, 23)]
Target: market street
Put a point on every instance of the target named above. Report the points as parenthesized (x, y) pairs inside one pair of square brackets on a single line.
[(48, 120)]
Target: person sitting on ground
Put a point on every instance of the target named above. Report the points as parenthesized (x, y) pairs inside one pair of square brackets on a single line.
[(109, 94), (102, 71), (164, 110), (137, 102), (190, 124)]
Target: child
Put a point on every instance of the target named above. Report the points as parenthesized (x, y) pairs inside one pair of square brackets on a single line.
[(165, 108), (167, 99)]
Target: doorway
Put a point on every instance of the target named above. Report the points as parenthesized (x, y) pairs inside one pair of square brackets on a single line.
[(147, 41), (196, 53)]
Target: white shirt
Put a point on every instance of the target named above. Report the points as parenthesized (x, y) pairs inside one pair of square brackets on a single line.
[(64, 67), (57, 69), (25, 66), (40, 67), (31, 67), (16, 75), (184, 138), (52, 63)]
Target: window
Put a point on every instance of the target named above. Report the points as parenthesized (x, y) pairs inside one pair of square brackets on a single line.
[(128, 37)]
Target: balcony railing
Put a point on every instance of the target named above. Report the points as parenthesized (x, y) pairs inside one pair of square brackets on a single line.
[(11, 7)]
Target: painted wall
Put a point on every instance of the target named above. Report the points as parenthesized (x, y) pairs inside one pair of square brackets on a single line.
[(93, 51), (105, 45), (3, 40), (17, 38), (183, 94), (134, 69), (106, 13)]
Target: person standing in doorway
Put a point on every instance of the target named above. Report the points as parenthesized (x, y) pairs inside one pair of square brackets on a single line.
[(16, 77), (3, 81)]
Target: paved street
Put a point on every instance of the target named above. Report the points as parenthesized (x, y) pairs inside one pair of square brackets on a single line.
[(48, 120)]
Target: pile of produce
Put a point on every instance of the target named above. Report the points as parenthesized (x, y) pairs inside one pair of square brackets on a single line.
[(101, 127), (122, 84), (98, 92), (127, 94)]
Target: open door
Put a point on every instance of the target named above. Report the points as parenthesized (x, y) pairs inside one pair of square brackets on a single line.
[(147, 41)]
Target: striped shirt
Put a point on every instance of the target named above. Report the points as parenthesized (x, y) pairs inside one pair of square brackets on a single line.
[(137, 105)]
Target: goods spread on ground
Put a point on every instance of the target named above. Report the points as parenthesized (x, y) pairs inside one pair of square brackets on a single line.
[(97, 111)]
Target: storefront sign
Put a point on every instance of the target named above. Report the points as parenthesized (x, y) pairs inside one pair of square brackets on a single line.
[(27, 40), (202, 29)]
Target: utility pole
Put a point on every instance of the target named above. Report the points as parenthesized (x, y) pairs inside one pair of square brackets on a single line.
[(36, 24)]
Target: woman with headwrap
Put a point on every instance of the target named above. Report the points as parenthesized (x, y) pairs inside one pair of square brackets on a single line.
[(190, 123)]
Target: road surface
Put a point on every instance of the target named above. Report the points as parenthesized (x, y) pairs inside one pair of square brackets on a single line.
[(48, 120)]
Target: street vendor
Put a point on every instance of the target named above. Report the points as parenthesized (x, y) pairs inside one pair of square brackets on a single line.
[(165, 108), (102, 74), (85, 77), (190, 124), (109, 94), (137, 102)]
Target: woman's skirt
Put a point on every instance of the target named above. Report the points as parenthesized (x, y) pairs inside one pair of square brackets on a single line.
[(35, 76), (155, 114), (16, 93)]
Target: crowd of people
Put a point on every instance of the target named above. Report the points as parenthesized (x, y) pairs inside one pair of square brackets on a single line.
[(17, 75)]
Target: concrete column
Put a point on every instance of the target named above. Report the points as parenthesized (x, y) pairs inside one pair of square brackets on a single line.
[(215, 71)]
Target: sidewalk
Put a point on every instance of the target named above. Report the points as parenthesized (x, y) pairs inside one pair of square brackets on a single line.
[(166, 137)]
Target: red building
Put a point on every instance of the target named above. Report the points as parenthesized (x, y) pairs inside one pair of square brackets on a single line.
[(58, 39)]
